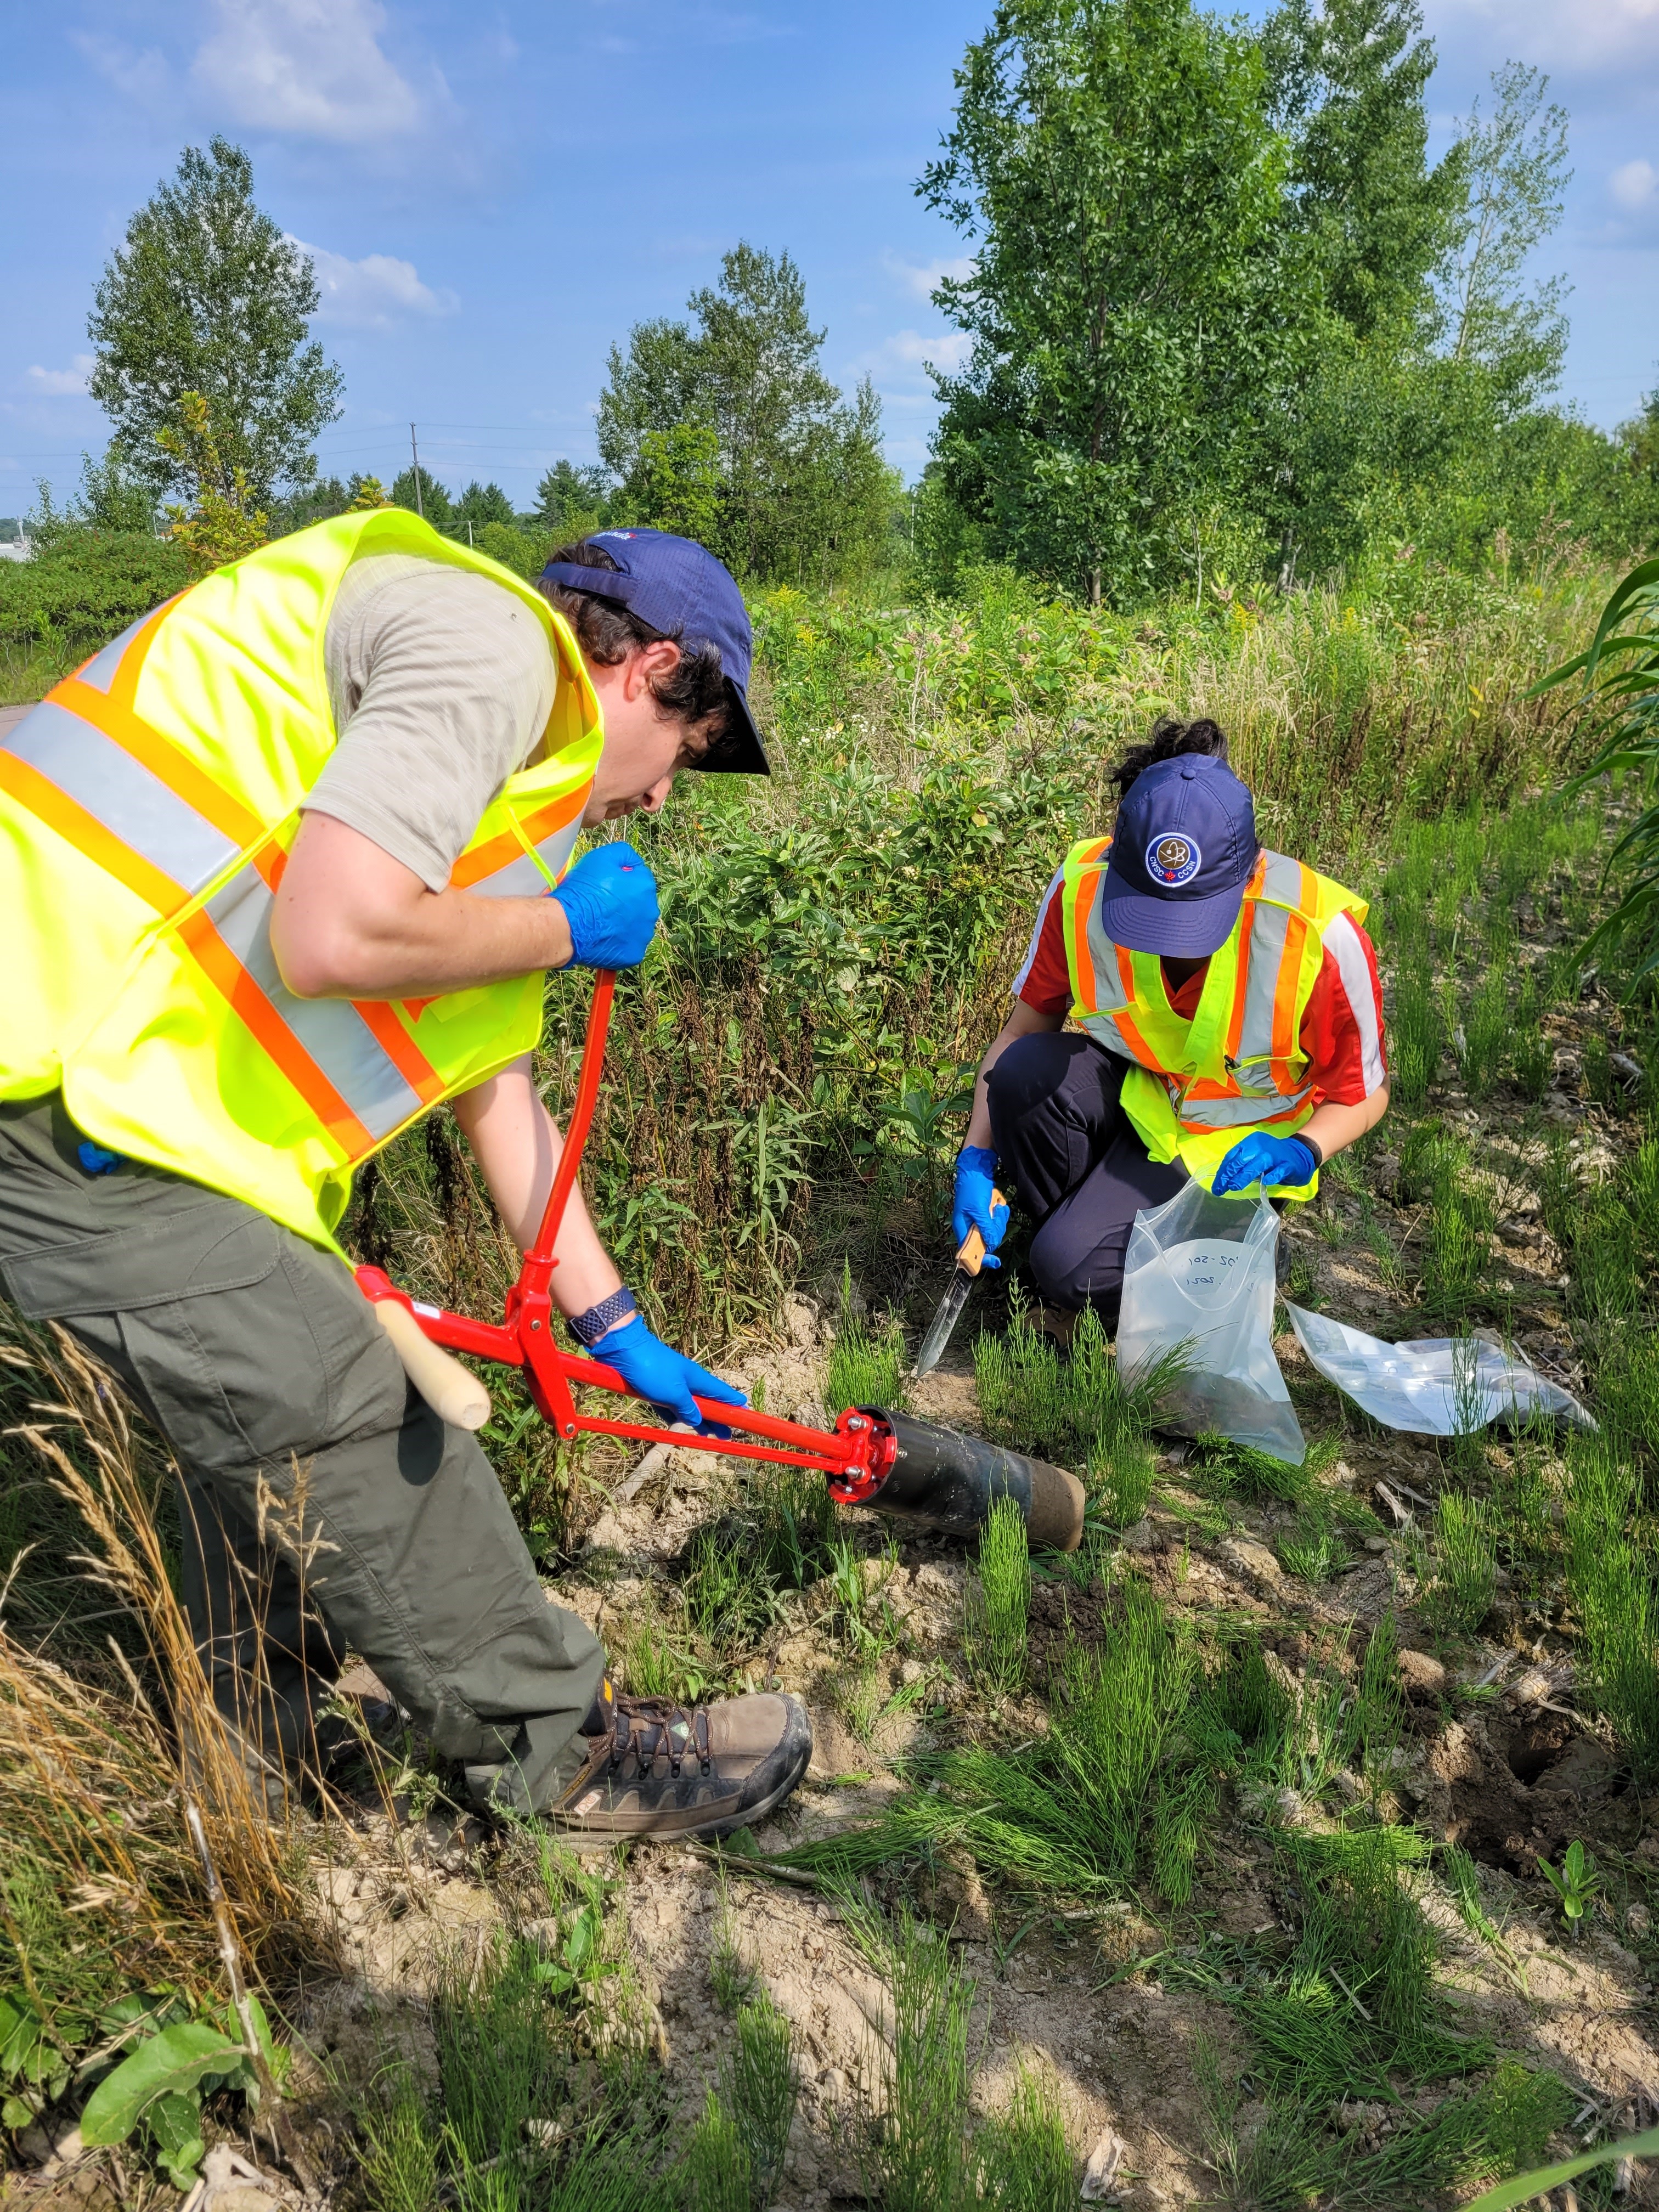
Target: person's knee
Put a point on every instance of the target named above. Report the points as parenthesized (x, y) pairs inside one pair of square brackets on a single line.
[(1072, 1279), (1030, 1072)]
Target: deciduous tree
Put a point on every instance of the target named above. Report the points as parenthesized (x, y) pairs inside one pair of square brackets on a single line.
[(1516, 167), (207, 295), (1137, 302), (803, 490)]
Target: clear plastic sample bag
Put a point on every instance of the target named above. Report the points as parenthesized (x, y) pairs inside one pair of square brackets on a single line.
[(1198, 1283), (1434, 1386)]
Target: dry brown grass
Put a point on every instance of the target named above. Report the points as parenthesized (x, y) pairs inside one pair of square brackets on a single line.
[(100, 1889)]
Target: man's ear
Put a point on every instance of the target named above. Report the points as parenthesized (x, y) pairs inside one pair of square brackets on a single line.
[(658, 660)]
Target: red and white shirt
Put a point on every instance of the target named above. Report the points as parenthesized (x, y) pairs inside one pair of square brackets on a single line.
[(1341, 1027)]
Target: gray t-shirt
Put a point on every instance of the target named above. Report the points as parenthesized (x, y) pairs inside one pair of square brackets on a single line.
[(441, 683)]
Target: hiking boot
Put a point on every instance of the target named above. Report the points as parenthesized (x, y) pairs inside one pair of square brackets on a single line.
[(646, 1766)]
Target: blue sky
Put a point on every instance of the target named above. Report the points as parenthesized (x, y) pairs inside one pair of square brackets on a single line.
[(493, 191)]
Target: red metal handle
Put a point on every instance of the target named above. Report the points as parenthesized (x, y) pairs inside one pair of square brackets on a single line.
[(851, 1455), (539, 1262)]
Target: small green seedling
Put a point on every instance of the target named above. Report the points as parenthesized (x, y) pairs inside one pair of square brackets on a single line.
[(1577, 1883)]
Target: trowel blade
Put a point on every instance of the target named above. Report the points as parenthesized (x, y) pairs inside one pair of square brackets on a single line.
[(939, 1330)]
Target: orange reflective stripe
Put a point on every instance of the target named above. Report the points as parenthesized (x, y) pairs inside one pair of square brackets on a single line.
[(113, 718), (257, 1014), (124, 687), (401, 1049), (500, 851), (1082, 966), (88, 835), (1285, 995)]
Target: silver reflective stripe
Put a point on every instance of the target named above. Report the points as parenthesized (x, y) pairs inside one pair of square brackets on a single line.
[(1281, 879), (99, 672), (331, 1029), (118, 791), (1104, 1030), (1110, 994), (1267, 935), (1229, 1113), (520, 878)]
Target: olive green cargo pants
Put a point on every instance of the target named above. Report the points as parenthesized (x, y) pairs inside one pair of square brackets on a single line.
[(324, 1504)]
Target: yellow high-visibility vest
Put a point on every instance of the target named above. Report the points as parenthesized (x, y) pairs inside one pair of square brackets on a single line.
[(148, 805), (1197, 1087)]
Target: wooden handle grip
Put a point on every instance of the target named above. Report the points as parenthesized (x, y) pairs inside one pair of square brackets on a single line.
[(970, 1253), (454, 1392)]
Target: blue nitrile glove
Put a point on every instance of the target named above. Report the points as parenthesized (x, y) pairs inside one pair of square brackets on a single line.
[(1267, 1160), (976, 1170), (667, 1378), (610, 900), (97, 1159)]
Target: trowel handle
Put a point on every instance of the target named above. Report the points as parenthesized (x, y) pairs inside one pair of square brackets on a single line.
[(970, 1253)]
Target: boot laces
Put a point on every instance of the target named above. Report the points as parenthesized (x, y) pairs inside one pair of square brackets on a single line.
[(648, 1727)]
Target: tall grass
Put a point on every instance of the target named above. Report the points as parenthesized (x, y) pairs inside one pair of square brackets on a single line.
[(997, 1623), (100, 1889)]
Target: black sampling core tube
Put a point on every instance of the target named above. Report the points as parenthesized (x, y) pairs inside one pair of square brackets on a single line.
[(939, 1479)]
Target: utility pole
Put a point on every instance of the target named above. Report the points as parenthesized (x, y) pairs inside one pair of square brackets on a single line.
[(415, 455)]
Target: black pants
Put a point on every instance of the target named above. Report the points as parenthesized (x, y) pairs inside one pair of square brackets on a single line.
[(1070, 1154)]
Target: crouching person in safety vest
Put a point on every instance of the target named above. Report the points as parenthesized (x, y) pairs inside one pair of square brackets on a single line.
[(1230, 1026), (279, 869)]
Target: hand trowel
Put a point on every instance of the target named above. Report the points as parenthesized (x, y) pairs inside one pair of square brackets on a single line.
[(971, 1258)]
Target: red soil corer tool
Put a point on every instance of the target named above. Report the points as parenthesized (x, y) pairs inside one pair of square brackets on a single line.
[(891, 1461)]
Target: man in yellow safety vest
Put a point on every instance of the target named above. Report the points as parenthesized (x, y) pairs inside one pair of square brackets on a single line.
[(1230, 1026), (281, 868)]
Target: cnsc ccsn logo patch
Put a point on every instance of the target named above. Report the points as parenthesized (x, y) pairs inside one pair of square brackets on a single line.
[(1173, 860)]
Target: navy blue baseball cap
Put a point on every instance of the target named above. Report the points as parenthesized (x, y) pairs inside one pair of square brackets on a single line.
[(1183, 847), (680, 588)]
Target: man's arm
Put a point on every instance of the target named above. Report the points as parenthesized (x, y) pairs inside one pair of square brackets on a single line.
[(517, 1144), (350, 922)]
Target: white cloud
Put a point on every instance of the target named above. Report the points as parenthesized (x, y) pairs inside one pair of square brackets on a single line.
[(60, 382), (924, 278), (945, 350), (1583, 40), (373, 292), (313, 67), (140, 73), (1632, 186)]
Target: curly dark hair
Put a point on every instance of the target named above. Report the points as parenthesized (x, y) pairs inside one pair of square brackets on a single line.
[(694, 690), (1169, 738)]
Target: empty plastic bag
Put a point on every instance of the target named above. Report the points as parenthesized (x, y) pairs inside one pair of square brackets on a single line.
[(1433, 1386), (1198, 1282)]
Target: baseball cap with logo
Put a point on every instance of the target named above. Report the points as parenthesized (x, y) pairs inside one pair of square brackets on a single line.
[(678, 588), (1183, 847)]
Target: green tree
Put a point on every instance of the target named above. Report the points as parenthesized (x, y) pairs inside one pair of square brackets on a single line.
[(480, 503), (114, 497), (1368, 417), (1517, 177), (675, 481), (570, 501), (433, 503), (207, 295), (222, 521), (1137, 303), (804, 490), (1346, 83)]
